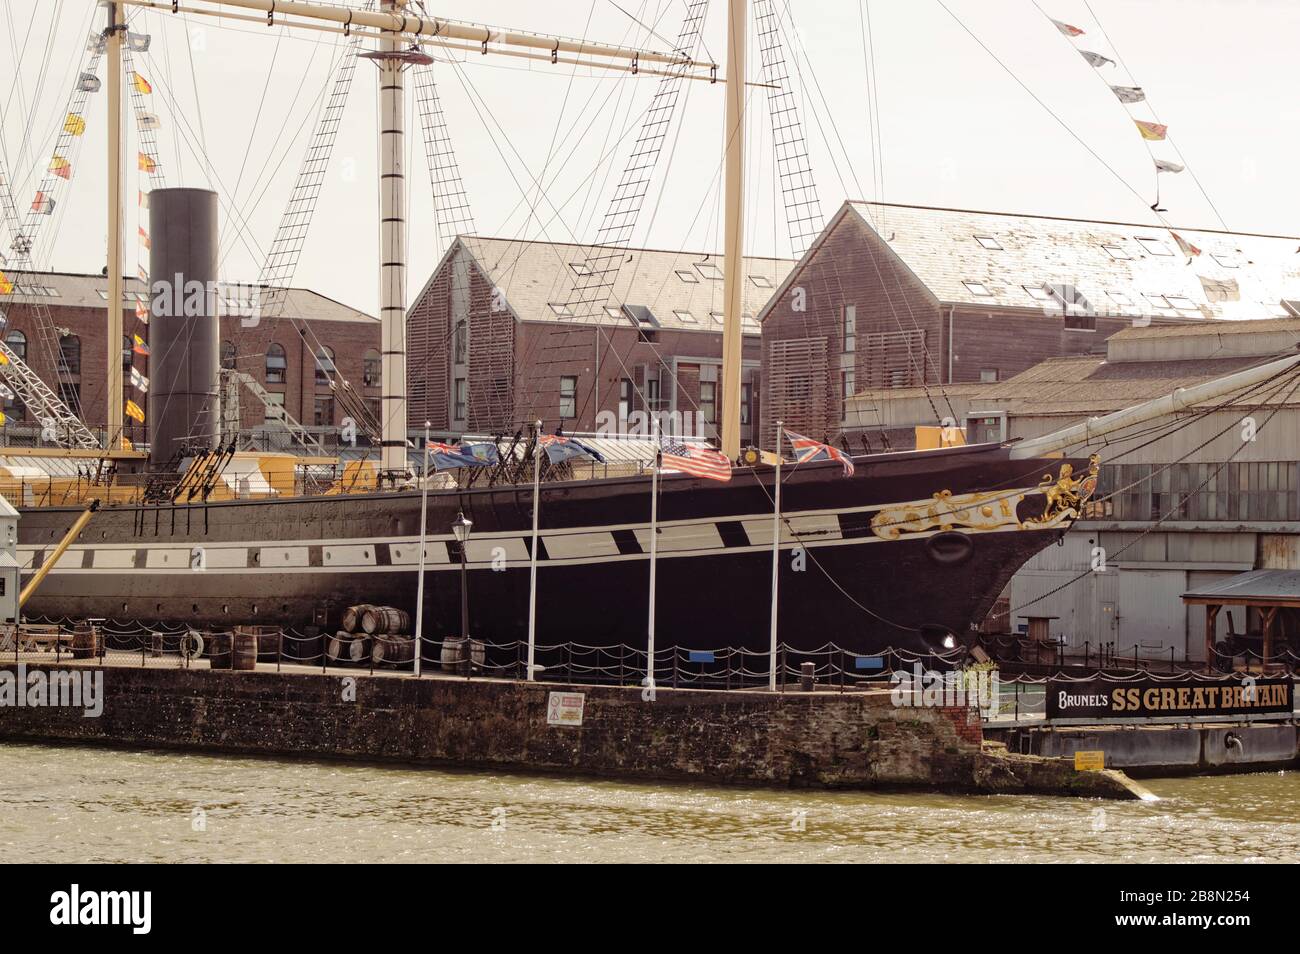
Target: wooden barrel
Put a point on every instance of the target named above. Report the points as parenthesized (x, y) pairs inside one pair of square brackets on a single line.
[(87, 642), (268, 640), (338, 647), (243, 654), (359, 649), (219, 650), (385, 619), (352, 617), (393, 649), (452, 650)]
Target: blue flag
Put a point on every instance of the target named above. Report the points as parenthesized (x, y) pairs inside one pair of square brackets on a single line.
[(566, 448), (447, 456)]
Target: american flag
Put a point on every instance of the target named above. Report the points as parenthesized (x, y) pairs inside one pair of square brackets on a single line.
[(807, 450), (696, 461)]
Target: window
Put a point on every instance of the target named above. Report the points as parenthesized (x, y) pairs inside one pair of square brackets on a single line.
[(580, 268), (848, 383), (978, 289), (461, 343), (1154, 246), (685, 317), (750, 323), (70, 394), (228, 355), (1180, 301), (459, 395), (568, 397), (686, 275), (275, 364), (761, 281), (744, 404), (1226, 259), (126, 352), (70, 355), (1120, 298), (624, 398), (709, 270), (1118, 252), (324, 366), (988, 375), (17, 342), (716, 316), (652, 394), (709, 402), (274, 401), (1159, 301), (561, 309), (324, 411), (1037, 292), (849, 320), (372, 369), (102, 293), (614, 312), (988, 241)]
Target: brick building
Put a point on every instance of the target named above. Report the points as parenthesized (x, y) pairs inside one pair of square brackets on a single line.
[(274, 352), (494, 343), (895, 296)]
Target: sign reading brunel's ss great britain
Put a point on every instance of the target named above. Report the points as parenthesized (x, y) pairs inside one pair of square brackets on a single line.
[(1149, 698)]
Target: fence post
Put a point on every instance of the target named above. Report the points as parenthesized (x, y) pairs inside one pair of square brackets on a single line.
[(279, 650)]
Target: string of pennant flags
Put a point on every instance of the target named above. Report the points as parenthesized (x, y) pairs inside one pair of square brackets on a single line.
[(1149, 129)]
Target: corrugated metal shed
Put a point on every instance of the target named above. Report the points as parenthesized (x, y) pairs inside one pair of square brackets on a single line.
[(1261, 586)]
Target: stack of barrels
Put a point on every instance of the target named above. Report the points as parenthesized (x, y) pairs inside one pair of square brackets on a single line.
[(378, 633)]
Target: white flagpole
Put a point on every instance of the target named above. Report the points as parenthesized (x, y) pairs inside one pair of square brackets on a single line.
[(419, 586), (776, 556), (654, 549), (532, 562)]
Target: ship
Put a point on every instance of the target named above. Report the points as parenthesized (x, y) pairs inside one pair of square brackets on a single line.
[(906, 553)]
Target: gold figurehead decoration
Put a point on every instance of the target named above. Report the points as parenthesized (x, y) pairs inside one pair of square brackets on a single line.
[(985, 511)]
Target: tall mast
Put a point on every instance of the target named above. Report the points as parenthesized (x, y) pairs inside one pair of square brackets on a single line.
[(392, 248), (113, 398), (734, 228)]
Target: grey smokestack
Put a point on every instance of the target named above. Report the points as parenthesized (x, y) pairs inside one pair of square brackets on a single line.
[(184, 348)]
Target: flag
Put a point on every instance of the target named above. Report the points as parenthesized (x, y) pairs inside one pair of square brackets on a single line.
[(1220, 289), (137, 42), (1096, 59), (1164, 165), (43, 203), (144, 199), (146, 163), (1067, 29), (134, 411), (142, 311), (61, 167), (140, 347), (140, 83), (696, 461), (144, 238), (807, 450), (1128, 94), (563, 448), (142, 274), (6, 286), (148, 121), (3, 358), (2, 417), (74, 125), (446, 456), (139, 381), (1155, 132), (88, 83), (1186, 247)]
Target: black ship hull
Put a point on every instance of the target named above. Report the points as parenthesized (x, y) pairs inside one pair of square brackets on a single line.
[(912, 548)]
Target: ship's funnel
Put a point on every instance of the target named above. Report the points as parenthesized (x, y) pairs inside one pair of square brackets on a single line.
[(184, 348)]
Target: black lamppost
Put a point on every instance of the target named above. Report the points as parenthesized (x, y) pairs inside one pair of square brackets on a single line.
[(461, 527)]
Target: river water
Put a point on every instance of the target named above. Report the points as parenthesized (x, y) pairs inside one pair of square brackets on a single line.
[(75, 804)]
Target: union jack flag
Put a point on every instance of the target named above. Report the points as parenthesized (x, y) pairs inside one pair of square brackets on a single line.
[(696, 461), (807, 450)]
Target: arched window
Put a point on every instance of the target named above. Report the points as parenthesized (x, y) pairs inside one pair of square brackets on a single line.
[(373, 369), (17, 342), (126, 352), (70, 354), (324, 366), (275, 364), (228, 355)]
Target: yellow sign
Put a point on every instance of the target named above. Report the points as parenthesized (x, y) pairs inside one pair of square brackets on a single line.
[(1089, 761)]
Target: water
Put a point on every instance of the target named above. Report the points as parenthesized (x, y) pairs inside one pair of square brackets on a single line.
[(72, 804)]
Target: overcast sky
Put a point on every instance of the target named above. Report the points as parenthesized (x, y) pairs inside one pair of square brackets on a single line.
[(956, 125)]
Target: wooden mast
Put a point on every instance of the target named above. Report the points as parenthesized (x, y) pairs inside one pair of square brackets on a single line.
[(113, 398), (733, 229), (392, 250)]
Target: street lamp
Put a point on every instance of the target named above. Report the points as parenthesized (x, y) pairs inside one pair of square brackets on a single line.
[(461, 528)]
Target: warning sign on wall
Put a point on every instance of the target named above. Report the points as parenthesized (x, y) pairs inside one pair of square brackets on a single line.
[(565, 708)]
